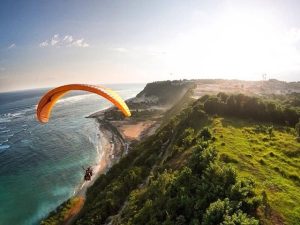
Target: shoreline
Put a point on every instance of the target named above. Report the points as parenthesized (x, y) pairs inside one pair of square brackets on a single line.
[(117, 134), (113, 145), (105, 147), (109, 154)]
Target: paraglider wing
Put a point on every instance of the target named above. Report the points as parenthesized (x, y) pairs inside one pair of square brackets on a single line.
[(50, 98)]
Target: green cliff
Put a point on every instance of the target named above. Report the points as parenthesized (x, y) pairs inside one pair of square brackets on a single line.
[(219, 159)]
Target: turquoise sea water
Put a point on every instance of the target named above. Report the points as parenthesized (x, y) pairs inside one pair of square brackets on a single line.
[(41, 165)]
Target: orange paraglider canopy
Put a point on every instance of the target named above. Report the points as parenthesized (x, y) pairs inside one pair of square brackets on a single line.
[(48, 101)]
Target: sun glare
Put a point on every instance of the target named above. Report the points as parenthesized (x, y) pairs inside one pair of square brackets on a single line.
[(237, 44)]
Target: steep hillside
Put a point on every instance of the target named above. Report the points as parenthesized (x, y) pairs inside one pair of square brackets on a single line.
[(203, 169), (173, 177), (165, 92), (221, 159)]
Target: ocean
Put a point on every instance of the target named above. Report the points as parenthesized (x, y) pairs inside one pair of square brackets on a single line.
[(41, 164)]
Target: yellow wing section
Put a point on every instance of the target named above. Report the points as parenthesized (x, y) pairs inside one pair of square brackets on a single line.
[(48, 101)]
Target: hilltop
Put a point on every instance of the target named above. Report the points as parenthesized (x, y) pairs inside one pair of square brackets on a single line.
[(206, 152)]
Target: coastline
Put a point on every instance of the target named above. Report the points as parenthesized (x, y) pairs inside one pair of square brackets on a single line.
[(113, 143), (110, 152), (117, 135)]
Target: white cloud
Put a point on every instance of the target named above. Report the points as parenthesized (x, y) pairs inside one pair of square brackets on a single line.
[(13, 45), (54, 40), (44, 44), (80, 43), (68, 38), (65, 41)]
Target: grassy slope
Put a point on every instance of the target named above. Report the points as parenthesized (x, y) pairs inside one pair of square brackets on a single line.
[(274, 164)]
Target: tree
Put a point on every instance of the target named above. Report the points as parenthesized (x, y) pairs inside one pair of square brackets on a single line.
[(216, 212), (205, 134), (240, 218), (291, 116), (270, 131), (223, 96), (297, 128), (180, 220)]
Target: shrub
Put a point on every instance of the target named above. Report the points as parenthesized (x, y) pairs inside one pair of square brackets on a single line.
[(205, 134)]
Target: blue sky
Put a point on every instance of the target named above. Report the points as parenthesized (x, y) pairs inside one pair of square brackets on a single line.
[(48, 43)]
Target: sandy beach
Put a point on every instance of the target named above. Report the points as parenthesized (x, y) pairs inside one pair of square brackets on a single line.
[(110, 149), (114, 140), (133, 131)]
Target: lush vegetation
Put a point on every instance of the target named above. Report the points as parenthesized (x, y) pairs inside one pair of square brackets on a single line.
[(273, 162), (203, 191), (225, 159), (173, 177), (258, 109), (292, 99)]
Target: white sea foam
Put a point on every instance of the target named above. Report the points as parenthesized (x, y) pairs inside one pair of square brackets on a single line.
[(8, 117), (73, 99), (4, 131), (26, 141), (4, 147), (42, 211), (2, 142), (4, 119), (61, 191), (5, 137)]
